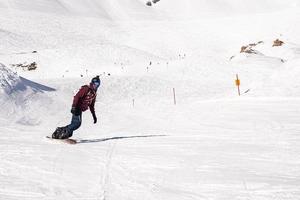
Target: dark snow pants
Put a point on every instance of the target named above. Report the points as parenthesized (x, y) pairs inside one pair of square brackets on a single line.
[(75, 123)]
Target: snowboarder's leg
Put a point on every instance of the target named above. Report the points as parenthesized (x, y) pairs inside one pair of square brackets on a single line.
[(67, 131), (75, 124)]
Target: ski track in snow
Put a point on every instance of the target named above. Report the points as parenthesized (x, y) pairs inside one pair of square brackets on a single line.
[(106, 171)]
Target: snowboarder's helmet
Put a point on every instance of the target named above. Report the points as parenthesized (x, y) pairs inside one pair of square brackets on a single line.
[(96, 81)]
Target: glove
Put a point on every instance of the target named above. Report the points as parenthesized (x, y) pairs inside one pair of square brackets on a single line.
[(95, 118), (75, 111)]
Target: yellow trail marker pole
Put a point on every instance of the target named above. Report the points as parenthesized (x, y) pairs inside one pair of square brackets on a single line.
[(238, 83)]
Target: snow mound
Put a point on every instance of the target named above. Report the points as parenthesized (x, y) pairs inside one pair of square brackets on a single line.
[(21, 98), (10, 82), (270, 71)]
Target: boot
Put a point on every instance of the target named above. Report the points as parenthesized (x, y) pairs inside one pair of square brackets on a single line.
[(56, 133), (64, 133), (61, 133)]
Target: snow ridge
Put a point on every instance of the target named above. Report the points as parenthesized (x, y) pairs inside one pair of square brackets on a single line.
[(8, 80)]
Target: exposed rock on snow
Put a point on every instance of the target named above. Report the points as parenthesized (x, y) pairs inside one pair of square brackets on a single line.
[(249, 48), (277, 43), (25, 66), (265, 51), (149, 3)]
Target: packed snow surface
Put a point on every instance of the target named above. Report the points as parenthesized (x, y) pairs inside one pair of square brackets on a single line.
[(206, 143)]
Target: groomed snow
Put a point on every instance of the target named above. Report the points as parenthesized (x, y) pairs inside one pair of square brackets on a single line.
[(213, 144)]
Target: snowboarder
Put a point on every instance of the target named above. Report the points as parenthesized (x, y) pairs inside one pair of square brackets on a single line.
[(84, 99)]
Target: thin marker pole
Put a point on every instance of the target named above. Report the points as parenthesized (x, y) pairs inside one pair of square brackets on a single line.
[(174, 95)]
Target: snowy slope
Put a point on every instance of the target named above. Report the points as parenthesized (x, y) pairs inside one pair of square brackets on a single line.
[(202, 8), (212, 144), (137, 9), (106, 9)]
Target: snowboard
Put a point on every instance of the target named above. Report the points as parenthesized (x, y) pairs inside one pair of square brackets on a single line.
[(68, 141)]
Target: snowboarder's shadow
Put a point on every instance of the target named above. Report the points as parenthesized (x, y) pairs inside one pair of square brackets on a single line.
[(117, 138)]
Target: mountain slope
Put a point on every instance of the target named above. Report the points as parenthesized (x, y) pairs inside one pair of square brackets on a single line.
[(137, 9)]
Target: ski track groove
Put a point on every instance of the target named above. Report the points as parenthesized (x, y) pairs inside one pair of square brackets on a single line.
[(55, 168), (106, 171)]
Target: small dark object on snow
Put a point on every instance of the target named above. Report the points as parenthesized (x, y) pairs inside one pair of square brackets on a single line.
[(34, 52), (277, 43), (32, 66), (247, 49), (155, 1), (247, 91), (149, 3), (260, 42)]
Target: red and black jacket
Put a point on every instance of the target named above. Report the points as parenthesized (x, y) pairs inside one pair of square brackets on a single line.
[(85, 98)]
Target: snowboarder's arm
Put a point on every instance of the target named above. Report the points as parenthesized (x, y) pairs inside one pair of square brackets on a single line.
[(92, 109)]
